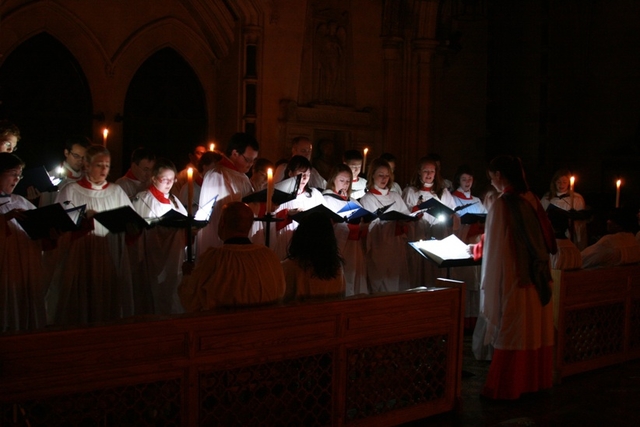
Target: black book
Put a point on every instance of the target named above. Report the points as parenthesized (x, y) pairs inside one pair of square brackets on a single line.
[(175, 219), (354, 213), (473, 218), (300, 216), (396, 216), (571, 214), (37, 178), (278, 198), (117, 220), (435, 208), (38, 223)]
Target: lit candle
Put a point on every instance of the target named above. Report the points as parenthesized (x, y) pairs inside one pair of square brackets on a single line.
[(212, 146), (105, 133), (364, 161), (269, 189), (618, 183), (572, 181), (190, 190)]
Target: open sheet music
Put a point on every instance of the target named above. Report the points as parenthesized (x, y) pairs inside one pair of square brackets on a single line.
[(448, 251)]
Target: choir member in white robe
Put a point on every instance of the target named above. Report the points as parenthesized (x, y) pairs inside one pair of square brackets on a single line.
[(391, 159), (91, 270), (194, 157), (427, 184), (22, 283), (386, 252), (354, 159), (469, 233), (136, 179), (163, 248), (351, 238), (301, 146), (70, 170), (306, 198), (562, 196), (228, 182), (516, 312), (208, 161)]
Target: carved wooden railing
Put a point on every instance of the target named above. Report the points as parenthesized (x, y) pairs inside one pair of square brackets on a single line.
[(382, 359), (597, 314)]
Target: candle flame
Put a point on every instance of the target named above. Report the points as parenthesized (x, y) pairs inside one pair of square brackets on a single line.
[(366, 150), (190, 173), (105, 133), (618, 183), (212, 147)]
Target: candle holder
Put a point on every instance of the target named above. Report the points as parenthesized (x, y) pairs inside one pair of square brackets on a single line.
[(268, 218)]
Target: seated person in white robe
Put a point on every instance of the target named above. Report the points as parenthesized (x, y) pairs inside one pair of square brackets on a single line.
[(239, 273), (619, 247), (22, 283), (157, 264)]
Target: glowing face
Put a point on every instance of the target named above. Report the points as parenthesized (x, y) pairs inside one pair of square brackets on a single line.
[(98, 169), (9, 179), (341, 183), (562, 184), (427, 173), (164, 180), (8, 143), (381, 177), (356, 167), (75, 157), (143, 170), (306, 174), (466, 181)]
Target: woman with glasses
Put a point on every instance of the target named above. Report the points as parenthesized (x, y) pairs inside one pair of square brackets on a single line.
[(22, 284), (159, 270), (91, 271)]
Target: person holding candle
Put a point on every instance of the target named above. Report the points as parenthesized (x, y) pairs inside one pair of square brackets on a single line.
[(23, 281), (159, 271), (306, 198), (208, 161), (562, 196), (515, 325), (194, 157), (386, 248), (350, 237), (91, 269)]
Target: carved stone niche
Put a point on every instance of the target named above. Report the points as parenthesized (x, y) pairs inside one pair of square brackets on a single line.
[(346, 127)]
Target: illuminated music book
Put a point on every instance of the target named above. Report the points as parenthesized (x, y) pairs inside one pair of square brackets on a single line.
[(448, 252), (434, 208), (175, 219), (37, 178), (353, 213), (38, 223)]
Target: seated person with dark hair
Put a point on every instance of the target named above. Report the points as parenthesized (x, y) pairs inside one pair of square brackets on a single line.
[(619, 246), (239, 273)]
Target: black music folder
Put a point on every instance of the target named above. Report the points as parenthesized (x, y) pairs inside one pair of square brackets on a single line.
[(353, 213), (300, 216), (279, 197), (37, 178), (116, 220), (472, 218), (38, 223), (435, 208)]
